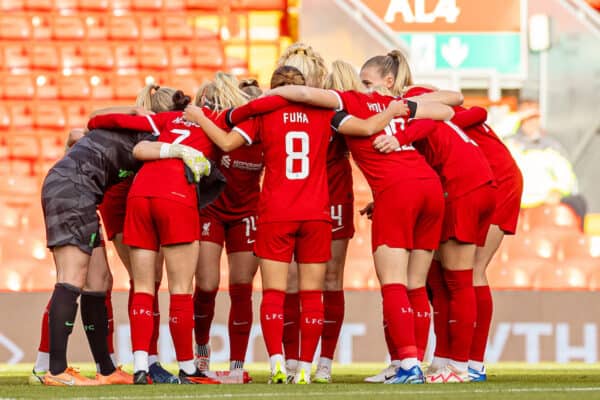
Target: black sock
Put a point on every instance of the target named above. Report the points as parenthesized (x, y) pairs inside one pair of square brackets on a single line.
[(61, 317), (95, 324)]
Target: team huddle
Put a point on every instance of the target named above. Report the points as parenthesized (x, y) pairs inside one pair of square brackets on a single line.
[(268, 177)]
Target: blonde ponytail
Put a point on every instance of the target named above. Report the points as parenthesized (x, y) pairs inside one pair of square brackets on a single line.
[(155, 98), (222, 93), (395, 64), (343, 76), (307, 61)]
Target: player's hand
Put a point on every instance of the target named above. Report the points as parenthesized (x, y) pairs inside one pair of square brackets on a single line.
[(400, 108), (142, 111), (199, 165), (193, 113), (74, 135), (367, 210), (386, 144)]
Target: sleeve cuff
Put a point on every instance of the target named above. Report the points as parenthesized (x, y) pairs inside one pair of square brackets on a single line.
[(243, 134)]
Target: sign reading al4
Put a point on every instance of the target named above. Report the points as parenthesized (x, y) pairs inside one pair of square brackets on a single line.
[(466, 34)]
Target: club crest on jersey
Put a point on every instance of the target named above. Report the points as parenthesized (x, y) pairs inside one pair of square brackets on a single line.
[(206, 229), (295, 117), (181, 120)]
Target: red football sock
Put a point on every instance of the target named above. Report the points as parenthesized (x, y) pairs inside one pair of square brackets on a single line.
[(271, 320), (439, 302), (485, 306), (291, 326), (389, 342), (399, 316), (153, 350), (462, 313), (422, 317), (204, 311), (181, 325), (311, 323), (45, 336), (240, 320), (142, 321), (111, 322), (333, 306), (130, 297)]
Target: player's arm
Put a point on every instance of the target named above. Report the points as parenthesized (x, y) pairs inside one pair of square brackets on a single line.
[(130, 110), (472, 116), (255, 107), (195, 159), (122, 121), (225, 141), (433, 110), (447, 97), (308, 95), (350, 125), (416, 129)]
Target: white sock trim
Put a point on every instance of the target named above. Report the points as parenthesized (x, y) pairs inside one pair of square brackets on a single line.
[(140, 361), (187, 366)]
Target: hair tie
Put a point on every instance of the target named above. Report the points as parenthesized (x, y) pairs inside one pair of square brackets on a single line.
[(301, 51)]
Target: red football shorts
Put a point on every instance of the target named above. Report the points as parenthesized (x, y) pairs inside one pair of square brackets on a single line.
[(342, 221), (408, 215), (468, 217), (508, 203), (113, 206), (238, 235), (306, 241), (152, 222)]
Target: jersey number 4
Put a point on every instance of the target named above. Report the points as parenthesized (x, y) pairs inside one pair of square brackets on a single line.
[(296, 148)]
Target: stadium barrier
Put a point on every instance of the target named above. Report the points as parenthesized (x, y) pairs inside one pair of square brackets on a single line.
[(530, 326)]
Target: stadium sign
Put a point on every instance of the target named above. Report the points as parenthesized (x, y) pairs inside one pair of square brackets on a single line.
[(467, 34)]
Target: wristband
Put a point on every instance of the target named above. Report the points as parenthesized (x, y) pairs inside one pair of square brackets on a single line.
[(164, 150), (412, 108)]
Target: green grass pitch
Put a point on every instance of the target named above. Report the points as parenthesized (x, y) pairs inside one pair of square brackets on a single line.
[(505, 381)]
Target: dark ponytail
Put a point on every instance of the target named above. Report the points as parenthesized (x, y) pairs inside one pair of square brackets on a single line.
[(180, 101)]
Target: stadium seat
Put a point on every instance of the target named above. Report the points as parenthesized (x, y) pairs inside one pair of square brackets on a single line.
[(187, 83), (25, 246), (551, 215), (178, 27), (259, 4), (74, 87), (561, 277), (9, 217), (204, 4), (529, 245), (10, 279), (579, 246), (12, 5), (209, 55), (72, 58), (94, 5), (153, 56), (126, 57), (41, 276), (46, 87), (530, 265), (78, 114), (123, 27), (21, 191), (147, 5), (53, 148), (127, 87), (98, 56), (150, 27), (24, 147), (4, 117), (32, 219), (18, 87), (15, 27), (97, 27), (41, 26), (180, 58), (45, 57), (16, 57), (66, 5), (507, 277), (20, 168), (594, 280), (21, 116), (101, 88), (50, 116), (123, 5), (68, 27), (39, 5)]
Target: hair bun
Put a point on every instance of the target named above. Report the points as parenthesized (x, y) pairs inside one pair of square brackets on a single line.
[(181, 100)]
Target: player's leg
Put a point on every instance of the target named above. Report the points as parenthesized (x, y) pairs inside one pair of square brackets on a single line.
[(334, 307), (242, 269), (483, 297), (205, 292), (418, 268), (291, 322)]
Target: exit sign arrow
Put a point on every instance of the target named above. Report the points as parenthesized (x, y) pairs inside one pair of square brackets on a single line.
[(455, 52)]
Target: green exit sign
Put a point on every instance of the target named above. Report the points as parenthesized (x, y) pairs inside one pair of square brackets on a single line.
[(501, 51)]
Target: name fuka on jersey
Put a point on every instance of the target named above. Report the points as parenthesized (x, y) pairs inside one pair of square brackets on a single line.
[(297, 117)]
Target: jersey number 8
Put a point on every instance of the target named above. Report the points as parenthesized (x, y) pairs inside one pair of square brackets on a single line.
[(291, 138)]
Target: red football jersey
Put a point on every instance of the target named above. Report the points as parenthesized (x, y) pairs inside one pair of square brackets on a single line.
[(339, 171), (163, 178), (501, 161), (295, 140), (382, 170), (242, 168)]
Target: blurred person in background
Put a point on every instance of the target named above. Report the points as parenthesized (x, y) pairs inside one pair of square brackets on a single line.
[(548, 175)]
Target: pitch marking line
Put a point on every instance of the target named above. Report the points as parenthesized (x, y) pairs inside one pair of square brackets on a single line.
[(341, 394)]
